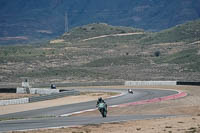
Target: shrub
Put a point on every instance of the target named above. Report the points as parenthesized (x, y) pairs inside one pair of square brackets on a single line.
[(157, 53)]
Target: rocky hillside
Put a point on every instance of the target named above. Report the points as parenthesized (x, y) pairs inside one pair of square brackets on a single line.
[(101, 52), (25, 21)]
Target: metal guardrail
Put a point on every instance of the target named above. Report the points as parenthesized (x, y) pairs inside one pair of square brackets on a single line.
[(149, 83), (39, 98), (188, 83), (14, 101), (8, 90), (53, 96), (155, 83)]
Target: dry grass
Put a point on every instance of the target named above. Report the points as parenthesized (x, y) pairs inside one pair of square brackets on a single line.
[(6, 96)]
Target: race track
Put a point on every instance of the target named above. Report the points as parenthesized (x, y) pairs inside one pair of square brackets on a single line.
[(51, 117)]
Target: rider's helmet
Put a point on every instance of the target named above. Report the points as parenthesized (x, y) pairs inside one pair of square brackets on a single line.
[(100, 99)]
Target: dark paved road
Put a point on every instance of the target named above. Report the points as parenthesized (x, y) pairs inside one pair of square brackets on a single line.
[(42, 118), (68, 121)]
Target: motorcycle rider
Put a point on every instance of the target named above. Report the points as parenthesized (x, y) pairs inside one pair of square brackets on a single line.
[(102, 109), (130, 91), (100, 100)]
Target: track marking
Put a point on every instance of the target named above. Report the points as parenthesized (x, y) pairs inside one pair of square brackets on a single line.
[(78, 112), (154, 100), (89, 110)]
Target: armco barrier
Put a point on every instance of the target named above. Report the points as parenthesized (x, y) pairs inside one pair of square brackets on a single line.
[(39, 98), (7, 90), (188, 83), (145, 83), (38, 91), (43, 91), (14, 101), (53, 96), (150, 83), (21, 90)]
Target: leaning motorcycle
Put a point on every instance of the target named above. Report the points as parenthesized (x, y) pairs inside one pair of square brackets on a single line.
[(102, 107)]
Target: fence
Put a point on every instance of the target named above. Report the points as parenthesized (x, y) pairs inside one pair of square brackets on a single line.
[(149, 83), (39, 98)]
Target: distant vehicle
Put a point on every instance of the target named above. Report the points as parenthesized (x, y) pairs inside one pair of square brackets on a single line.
[(130, 91), (53, 86)]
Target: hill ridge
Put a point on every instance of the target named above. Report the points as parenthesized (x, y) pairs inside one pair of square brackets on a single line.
[(29, 18)]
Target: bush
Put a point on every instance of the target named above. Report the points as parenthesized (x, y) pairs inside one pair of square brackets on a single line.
[(157, 53)]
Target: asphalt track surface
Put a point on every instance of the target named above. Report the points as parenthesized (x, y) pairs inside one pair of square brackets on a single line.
[(51, 117)]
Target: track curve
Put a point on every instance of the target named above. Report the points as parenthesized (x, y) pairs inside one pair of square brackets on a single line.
[(42, 118)]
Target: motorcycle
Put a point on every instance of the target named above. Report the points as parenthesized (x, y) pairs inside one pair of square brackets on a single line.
[(102, 107), (130, 91)]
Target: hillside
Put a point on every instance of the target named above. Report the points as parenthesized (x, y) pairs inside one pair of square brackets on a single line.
[(188, 32), (95, 30), (35, 21), (101, 52)]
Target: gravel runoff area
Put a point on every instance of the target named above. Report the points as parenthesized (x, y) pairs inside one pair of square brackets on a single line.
[(187, 120)]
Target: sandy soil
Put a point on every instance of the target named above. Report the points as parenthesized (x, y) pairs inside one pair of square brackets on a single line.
[(57, 41), (188, 122), (103, 36), (166, 125)]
